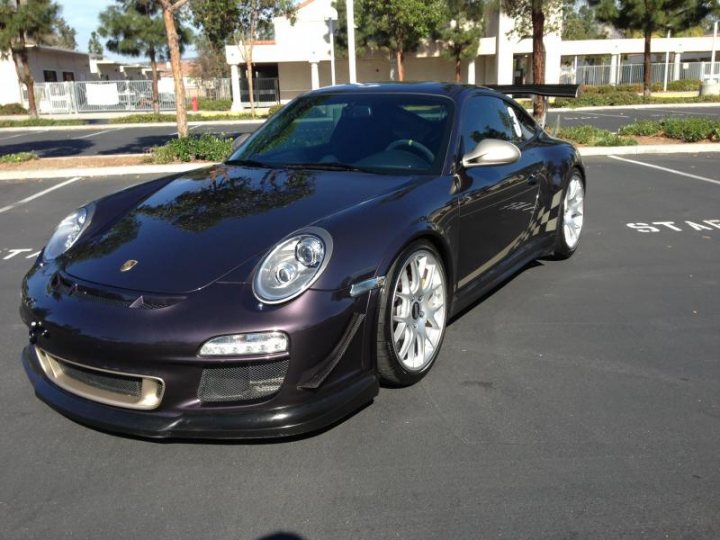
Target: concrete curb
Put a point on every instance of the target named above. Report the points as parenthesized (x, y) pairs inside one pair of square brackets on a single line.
[(129, 170), (638, 106), (94, 172), (686, 148), (106, 127)]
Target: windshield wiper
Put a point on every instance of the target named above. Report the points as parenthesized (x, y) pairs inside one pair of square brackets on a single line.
[(326, 166)]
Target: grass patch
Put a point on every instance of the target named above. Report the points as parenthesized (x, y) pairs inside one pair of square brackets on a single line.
[(592, 136), (18, 157), (206, 147), (33, 122)]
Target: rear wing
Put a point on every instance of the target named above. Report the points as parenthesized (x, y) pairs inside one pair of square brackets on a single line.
[(544, 90)]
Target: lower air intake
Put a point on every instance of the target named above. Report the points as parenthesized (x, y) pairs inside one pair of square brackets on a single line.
[(251, 380)]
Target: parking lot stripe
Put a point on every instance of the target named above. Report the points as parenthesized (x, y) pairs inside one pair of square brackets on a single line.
[(673, 171), (39, 194), (20, 135), (97, 133)]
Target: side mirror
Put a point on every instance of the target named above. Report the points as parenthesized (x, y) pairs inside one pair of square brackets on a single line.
[(237, 143), (491, 152)]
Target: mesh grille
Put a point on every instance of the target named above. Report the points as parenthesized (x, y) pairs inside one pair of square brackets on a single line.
[(119, 384), (249, 381)]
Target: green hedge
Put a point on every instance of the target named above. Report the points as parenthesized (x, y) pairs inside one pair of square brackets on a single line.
[(32, 122), (275, 108), (646, 128), (12, 108), (206, 147), (19, 157), (683, 129), (592, 136), (205, 104), (691, 129)]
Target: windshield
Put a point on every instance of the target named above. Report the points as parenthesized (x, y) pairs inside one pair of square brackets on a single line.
[(383, 133)]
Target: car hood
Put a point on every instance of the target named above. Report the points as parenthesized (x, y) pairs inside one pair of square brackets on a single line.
[(200, 226)]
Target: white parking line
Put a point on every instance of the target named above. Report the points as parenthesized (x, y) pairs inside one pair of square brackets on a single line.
[(40, 194), (665, 169), (595, 113), (189, 129), (21, 135), (97, 133), (697, 113)]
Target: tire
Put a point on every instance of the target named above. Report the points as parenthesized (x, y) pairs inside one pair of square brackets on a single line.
[(570, 217), (412, 315)]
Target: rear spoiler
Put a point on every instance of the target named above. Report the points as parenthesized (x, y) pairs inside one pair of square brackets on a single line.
[(545, 90)]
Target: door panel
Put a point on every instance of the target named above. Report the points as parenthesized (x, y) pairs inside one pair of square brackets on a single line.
[(498, 201)]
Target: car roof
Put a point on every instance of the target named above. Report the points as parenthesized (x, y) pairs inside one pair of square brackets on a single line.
[(452, 90)]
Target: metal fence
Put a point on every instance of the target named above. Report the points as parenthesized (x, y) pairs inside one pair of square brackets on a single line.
[(633, 73), (137, 96)]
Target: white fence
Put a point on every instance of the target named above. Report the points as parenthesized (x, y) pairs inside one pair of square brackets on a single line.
[(633, 73), (137, 96)]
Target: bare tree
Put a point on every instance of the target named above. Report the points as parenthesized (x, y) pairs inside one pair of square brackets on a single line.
[(169, 9)]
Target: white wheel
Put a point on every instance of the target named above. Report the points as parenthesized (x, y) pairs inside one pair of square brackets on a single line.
[(412, 315), (573, 211)]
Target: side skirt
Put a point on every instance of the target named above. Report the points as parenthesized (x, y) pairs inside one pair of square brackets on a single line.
[(501, 272)]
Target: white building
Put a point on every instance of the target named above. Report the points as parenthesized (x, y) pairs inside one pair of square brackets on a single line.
[(47, 64), (299, 56)]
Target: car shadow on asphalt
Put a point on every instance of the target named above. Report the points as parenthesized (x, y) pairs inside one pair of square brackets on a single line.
[(49, 148), (500, 286), (138, 145)]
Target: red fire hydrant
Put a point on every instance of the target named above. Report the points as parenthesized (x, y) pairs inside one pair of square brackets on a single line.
[(194, 104)]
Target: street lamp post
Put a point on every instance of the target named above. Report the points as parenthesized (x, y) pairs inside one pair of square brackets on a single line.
[(350, 10)]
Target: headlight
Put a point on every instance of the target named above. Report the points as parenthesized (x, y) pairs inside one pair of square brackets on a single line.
[(292, 266), (67, 233)]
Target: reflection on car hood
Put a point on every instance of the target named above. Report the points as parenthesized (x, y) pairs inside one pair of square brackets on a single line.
[(198, 227)]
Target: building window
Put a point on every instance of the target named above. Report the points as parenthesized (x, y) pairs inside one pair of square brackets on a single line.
[(68, 76), (49, 75)]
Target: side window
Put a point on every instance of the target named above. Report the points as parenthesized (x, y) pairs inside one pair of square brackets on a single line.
[(486, 117), (525, 125)]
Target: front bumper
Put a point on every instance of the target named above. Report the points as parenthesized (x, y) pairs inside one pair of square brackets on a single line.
[(331, 369), (278, 421)]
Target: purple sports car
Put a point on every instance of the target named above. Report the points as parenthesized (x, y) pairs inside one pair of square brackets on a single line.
[(271, 294)]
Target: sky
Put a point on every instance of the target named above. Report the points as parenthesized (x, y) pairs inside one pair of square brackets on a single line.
[(82, 15)]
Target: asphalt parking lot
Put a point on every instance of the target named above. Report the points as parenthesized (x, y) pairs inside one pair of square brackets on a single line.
[(104, 140), (579, 400)]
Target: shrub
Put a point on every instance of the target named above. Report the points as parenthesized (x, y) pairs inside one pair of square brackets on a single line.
[(601, 96), (12, 108), (275, 108), (143, 118), (18, 157), (592, 136), (690, 129), (686, 85), (206, 147), (646, 128), (205, 104), (32, 122)]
